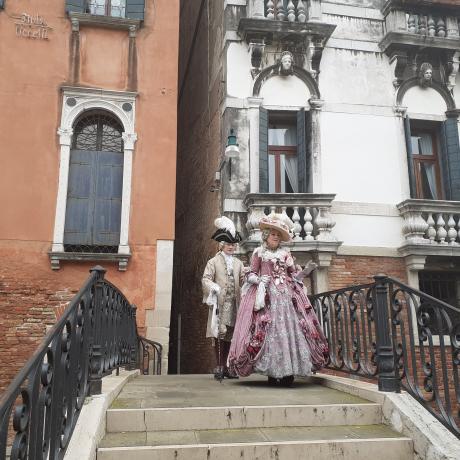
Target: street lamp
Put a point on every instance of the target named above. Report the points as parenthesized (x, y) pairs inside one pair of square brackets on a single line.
[(232, 150)]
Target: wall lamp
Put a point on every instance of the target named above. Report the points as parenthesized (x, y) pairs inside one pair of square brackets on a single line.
[(232, 150)]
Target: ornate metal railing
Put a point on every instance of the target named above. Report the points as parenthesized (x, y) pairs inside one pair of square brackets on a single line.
[(400, 336), (96, 334)]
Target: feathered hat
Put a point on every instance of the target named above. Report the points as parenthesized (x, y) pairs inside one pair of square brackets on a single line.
[(279, 222), (226, 231)]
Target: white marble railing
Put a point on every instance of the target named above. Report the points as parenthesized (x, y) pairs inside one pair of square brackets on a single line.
[(431, 222), (310, 213), (422, 24)]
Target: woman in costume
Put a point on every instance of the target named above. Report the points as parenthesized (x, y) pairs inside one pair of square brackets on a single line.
[(277, 333), (222, 279)]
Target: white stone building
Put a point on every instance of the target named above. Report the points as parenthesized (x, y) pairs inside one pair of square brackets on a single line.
[(345, 112)]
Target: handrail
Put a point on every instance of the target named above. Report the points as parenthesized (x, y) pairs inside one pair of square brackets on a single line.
[(96, 334), (401, 336)]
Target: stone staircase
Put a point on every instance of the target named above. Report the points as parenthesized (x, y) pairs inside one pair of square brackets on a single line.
[(195, 417)]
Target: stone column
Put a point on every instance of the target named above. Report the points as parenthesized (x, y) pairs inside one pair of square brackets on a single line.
[(321, 274), (65, 137), (128, 140), (254, 105), (315, 145), (414, 263)]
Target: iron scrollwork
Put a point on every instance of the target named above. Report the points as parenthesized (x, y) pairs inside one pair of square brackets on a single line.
[(96, 335)]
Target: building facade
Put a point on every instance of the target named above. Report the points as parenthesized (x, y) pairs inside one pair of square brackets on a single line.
[(88, 114), (346, 116)]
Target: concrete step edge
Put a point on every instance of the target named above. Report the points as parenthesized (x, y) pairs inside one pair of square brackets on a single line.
[(163, 419), (396, 440), (145, 409)]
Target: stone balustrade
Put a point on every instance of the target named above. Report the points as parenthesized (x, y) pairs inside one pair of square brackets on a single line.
[(286, 10), (310, 213), (431, 222), (419, 23)]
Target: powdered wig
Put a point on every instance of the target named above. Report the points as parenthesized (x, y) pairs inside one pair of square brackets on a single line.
[(265, 234)]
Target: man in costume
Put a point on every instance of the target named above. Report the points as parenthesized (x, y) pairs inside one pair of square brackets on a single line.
[(222, 279)]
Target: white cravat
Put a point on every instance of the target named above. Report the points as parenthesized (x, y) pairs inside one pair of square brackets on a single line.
[(229, 262)]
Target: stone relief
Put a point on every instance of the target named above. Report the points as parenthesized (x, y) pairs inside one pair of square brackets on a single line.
[(425, 74)]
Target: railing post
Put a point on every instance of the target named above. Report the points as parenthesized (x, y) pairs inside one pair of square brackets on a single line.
[(133, 342), (387, 377), (95, 380)]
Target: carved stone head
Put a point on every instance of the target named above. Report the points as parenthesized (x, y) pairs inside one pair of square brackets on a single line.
[(286, 63), (426, 74)]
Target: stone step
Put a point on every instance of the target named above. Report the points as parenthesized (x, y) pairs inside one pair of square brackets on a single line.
[(207, 418), (376, 442)]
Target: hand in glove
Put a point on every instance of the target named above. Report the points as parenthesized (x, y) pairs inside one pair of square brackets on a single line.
[(215, 288), (265, 279)]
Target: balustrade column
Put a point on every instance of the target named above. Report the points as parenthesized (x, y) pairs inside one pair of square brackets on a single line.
[(387, 376), (315, 145), (256, 9)]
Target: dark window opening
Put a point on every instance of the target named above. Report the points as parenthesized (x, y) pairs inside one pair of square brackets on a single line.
[(444, 286)]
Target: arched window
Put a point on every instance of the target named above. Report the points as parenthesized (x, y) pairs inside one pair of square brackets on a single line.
[(94, 194)]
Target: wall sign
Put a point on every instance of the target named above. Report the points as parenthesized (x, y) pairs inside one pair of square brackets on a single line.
[(31, 26)]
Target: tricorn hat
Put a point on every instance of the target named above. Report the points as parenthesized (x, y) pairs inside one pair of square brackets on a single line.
[(278, 222), (226, 231)]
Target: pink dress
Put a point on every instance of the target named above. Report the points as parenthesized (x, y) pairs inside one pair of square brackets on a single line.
[(284, 337)]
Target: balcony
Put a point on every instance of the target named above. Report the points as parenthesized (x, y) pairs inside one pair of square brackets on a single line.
[(430, 228), (311, 213), (284, 20), (427, 24)]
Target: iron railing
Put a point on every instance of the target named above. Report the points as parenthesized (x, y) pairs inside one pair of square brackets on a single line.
[(399, 336), (96, 334)]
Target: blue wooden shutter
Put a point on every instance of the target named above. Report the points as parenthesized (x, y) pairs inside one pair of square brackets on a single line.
[(263, 150), (75, 6), (303, 149), (410, 160), (109, 186), (80, 198), (450, 160), (135, 9), (2, 4)]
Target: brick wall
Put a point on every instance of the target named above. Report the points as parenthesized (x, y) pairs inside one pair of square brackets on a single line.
[(349, 270), (28, 305)]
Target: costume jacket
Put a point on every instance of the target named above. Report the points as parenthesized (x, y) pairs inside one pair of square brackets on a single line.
[(216, 273)]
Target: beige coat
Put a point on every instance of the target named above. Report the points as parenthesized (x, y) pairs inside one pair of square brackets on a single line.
[(216, 272)]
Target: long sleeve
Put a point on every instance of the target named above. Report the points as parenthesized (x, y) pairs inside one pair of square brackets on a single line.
[(255, 263), (208, 278)]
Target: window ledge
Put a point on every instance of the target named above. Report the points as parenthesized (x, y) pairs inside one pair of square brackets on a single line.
[(104, 21), (56, 257)]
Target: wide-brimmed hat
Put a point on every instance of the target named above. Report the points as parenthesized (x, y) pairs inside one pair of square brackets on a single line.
[(278, 222), (226, 231)]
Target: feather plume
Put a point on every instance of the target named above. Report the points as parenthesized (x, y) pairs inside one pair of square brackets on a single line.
[(225, 223)]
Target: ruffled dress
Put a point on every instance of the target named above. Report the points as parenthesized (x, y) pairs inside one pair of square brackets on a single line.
[(283, 337)]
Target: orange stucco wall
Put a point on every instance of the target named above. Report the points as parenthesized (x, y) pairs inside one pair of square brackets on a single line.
[(32, 71)]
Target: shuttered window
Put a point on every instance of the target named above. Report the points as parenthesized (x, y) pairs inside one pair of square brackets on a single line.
[(132, 9), (284, 158), (93, 211), (433, 158), (2, 4)]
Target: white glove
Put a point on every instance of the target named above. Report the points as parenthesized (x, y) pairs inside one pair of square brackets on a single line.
[(265, 279), (253, 278), (215, 288)]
